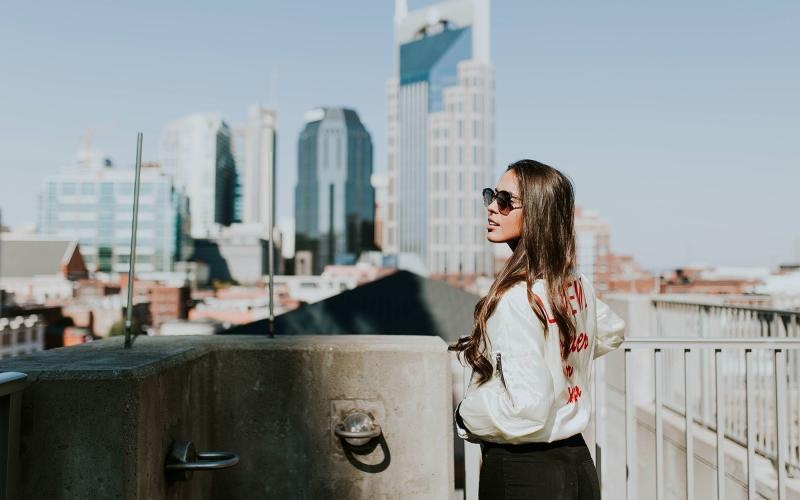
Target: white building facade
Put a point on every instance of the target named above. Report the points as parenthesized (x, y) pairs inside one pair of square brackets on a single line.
[(255, 148), (92, 202), (440, 135), (196, 150)]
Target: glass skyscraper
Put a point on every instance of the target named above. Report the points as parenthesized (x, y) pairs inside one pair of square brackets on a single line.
[(197, 151), (334, 200), (93, 203), (440, 137)]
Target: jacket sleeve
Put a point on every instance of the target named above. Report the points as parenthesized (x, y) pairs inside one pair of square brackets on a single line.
[(610, 329), (518, 400)]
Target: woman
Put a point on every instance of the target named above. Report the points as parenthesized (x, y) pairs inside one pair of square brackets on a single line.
[(534, 339)]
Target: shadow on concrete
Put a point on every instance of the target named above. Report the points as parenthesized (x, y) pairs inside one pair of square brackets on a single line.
[(402, 303), (351, 451)]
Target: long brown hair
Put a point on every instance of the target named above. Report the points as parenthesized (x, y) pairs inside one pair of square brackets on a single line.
[(545, 250)]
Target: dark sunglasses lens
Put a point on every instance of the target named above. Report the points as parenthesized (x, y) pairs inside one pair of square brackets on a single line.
[(488, 196), (503, 202)]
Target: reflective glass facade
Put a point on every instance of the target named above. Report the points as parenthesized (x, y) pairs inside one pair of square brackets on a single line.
[(334, 199), (96, 208), (434, 59)]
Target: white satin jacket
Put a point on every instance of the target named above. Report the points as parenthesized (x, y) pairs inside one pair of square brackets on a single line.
[(532, 395)]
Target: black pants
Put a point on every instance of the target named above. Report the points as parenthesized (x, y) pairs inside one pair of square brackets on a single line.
[(561, 470)]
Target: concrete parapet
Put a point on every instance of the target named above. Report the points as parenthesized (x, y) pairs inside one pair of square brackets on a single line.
[(97, 420)]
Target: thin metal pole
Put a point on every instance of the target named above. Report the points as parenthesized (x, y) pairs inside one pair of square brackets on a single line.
[(135, 224), (271, 249)]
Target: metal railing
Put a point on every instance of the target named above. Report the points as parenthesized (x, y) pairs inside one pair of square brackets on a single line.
[(21, 335), (743, 360), (11, 385), (725, 381), (730, 322)]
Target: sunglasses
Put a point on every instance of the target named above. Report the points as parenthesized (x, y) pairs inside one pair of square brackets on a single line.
[(503, 198)]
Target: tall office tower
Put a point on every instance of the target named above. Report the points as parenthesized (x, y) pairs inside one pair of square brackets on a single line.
[(255, 159), (92, 201), (239, 147), (334, 200), (440, 135), (196, 150)]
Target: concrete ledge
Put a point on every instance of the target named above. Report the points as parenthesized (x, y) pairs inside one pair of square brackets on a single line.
[(97, 419)]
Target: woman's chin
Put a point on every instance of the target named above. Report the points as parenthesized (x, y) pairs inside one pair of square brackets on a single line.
[(495, 238)]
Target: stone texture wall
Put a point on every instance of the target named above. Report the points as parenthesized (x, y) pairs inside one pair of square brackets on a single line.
[(97, 420)]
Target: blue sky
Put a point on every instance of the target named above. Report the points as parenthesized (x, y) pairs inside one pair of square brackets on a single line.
[(678, 122)]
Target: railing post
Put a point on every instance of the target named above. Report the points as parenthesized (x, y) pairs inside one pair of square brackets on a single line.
[(11, 385), (720, 425), (630, 453), (751, 425), (659, 401), (472, 454), (688, 380), (780, 415)]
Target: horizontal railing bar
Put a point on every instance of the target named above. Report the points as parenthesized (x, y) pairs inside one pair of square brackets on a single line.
[(783, 312), (708, 343), (11, 382)]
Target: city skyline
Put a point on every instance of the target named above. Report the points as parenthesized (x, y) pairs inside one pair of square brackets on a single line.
[(666, 137)]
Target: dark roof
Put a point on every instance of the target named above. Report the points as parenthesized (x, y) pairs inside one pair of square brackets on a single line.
[(34, 256), (402, 303)]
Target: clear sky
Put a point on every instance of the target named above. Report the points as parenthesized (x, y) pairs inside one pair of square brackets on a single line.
[(678, 122)]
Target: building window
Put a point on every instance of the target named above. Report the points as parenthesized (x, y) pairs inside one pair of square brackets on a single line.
[(461, 181), (460, 129), (461, 155), (460, 207)]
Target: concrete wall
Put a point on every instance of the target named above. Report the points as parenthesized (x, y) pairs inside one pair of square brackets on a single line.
[(98, 419)]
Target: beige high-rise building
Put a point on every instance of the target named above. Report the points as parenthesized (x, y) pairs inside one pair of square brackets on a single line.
[(440, 136), (258, 136)]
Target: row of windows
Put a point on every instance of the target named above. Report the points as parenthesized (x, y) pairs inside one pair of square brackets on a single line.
[(440, 208), (463, 262), (457, 106), (442, 132), (440, 155), (440, 234), (441, 181), (93, 188)]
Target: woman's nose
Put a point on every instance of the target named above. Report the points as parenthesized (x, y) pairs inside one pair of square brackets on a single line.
[(493, 207)]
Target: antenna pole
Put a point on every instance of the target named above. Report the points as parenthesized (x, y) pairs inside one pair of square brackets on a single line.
[(135, 224)]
